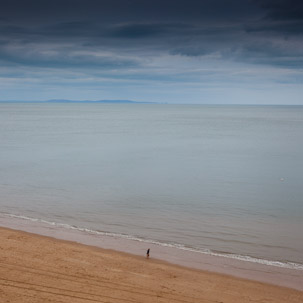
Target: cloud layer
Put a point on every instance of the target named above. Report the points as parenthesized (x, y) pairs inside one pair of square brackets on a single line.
[(113, 48)]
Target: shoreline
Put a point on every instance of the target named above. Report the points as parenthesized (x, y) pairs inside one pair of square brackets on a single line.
[(246, 258), (36, 268), (291, 278)]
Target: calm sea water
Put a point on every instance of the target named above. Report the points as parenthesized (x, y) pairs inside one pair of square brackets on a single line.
[(225, 179)]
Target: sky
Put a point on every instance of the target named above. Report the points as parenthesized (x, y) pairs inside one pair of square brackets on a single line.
[(192, 52)]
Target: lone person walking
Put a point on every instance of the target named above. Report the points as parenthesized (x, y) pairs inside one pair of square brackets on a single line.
[(147, 253)]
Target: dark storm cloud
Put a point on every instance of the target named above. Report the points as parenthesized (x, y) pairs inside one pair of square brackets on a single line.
[(284, 28), (63, 58), (37, 12), (253, 31), (282, 9), (123, 10), (134, 31), (283, 17), (95, 30), (72, 28)]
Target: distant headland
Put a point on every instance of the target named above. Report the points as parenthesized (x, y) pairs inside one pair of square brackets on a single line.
[(83, 101)]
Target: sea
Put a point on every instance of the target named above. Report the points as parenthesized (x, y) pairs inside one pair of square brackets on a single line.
[(221, 180)]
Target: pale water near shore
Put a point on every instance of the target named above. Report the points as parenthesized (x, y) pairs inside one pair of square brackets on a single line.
[(225, 180)]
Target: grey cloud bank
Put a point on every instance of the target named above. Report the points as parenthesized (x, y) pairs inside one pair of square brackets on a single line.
[(165, 51)]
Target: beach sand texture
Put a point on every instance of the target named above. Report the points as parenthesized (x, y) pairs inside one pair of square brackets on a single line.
[(35, 268)]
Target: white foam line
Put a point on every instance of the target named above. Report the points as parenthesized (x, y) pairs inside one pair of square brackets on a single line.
[(289, 265)]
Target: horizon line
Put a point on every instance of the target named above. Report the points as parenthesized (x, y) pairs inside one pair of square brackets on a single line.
[(117, 101)]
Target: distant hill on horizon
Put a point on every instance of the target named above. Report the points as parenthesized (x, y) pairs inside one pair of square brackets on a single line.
[(83, 101), (95, 101)]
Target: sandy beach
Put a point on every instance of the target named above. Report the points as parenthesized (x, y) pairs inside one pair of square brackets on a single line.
[(35, 268)]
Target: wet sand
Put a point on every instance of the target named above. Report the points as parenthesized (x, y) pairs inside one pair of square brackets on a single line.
[(238, 268), (36, 268)]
